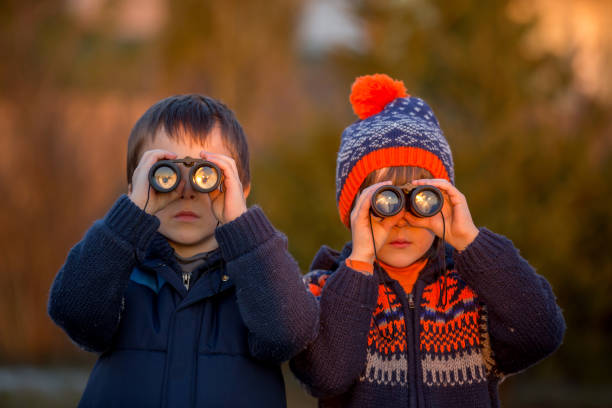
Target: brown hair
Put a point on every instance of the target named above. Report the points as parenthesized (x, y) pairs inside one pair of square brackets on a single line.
[(399, 175), (189, 116)]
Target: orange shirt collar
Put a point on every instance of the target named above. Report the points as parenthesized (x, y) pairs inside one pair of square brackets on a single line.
[(407, 275)]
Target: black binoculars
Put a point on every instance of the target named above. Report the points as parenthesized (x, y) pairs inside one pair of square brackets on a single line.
[(421, 201), (204, 176)]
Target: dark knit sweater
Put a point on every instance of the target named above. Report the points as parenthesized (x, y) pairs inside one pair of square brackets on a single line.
[(219, 344), (378, 346)]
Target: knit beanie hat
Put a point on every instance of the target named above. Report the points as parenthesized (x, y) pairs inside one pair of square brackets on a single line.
[(395, 129)]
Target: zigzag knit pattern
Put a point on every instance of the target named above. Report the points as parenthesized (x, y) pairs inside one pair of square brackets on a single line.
[(448, 343), (453, 339), (386, 357)]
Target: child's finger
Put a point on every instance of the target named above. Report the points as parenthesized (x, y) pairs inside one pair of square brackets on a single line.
[(363, 201), (234, 202), (148, 159), (140, 191), (227, 165), (214, 194), (357, 212), (451, 192), (358, 205), (152, 156)]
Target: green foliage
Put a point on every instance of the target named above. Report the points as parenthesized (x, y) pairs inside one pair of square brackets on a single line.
[(294, 183)]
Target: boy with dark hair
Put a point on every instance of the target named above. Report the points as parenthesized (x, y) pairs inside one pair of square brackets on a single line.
[(191, 298)]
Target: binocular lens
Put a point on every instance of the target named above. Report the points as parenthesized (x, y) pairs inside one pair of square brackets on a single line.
[(206, 178), (387, 202), (165, 177), (420, 201), (427, 203)]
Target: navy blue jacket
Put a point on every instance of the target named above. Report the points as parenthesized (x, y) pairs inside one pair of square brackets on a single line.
[(218, 344)]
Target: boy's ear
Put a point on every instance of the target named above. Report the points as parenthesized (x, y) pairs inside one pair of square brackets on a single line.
[(129, 188), (247, 190)]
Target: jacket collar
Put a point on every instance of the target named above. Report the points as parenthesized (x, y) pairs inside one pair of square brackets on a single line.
[(159, 248), (329, 259), (161, 260)]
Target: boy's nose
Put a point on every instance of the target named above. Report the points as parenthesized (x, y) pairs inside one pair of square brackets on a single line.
[(402, 221), (187, 192)]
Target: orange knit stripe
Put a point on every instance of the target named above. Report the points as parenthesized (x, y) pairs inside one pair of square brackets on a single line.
[(314, 289), (387, 300), (433, 294), (460, 333), (381, 158)]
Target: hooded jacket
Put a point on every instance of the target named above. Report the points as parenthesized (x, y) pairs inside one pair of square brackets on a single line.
[(379, 346), (219, 344)]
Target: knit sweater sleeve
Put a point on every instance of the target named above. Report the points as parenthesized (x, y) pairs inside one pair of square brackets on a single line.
[(281, 315), (336, 359), (86, 296), (524, 322)]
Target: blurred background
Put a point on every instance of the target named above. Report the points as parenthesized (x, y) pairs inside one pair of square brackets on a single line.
[(522, 88)]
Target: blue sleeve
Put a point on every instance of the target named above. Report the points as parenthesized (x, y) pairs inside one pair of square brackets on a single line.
[(281, 315), (87, 294), (334, 361), (524, 322)]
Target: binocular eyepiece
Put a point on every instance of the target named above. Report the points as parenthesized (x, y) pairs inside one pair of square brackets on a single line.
[(204, 176), (420, 201)]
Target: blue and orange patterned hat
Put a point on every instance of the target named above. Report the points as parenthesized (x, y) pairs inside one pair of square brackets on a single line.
[(394, 129)]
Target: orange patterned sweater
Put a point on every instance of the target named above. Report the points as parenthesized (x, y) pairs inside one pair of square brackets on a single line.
[(380, 345)]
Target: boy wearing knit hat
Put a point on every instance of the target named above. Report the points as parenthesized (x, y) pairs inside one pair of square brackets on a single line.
[(417, 311)]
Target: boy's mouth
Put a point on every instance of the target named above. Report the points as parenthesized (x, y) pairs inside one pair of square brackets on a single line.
[(399, 243), (186, 216)]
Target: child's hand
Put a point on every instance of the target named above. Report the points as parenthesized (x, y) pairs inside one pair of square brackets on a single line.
[(140, 188), (460, 229), (363, 247), (231, 203)]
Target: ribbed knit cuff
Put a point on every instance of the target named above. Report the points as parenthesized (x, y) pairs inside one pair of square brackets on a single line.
[(246, 232), (488, 251), (131, 223), (354, 285)]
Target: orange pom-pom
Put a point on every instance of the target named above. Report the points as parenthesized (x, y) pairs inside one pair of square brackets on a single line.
[(371, 93)]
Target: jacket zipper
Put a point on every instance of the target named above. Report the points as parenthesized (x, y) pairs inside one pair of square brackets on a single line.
[(413, 351), (186, 279)]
